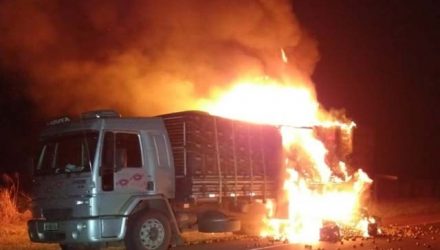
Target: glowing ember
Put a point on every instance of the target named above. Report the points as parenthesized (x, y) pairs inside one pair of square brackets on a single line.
[(284, 56), (315, 192)]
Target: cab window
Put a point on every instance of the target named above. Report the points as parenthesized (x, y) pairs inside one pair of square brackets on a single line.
[(121, 150), (67, 153), (160, 147)]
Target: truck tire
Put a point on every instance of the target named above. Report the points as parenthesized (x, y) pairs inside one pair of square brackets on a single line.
[(217, 222), (220, 226), (148, 230)]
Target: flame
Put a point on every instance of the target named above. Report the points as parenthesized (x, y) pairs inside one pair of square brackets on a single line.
[(314, 192), (284, 56), (248, 101)]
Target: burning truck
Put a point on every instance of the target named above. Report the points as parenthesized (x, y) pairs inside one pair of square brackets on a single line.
[(103, 178), (143, 181)]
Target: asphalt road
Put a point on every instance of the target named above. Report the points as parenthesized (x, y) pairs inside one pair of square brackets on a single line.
[(394, 238)]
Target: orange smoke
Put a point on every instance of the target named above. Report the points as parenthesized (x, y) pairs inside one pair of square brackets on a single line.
[(146, 57)]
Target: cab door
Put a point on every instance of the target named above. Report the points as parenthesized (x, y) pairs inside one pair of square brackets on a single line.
[(122, 167)]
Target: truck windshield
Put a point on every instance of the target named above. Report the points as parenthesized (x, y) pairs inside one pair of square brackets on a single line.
[(70, 153)]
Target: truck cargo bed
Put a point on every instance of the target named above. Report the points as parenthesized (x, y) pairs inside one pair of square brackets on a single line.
[(216, 158)]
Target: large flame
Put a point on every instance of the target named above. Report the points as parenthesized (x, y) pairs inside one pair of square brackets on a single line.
[(315, 192)]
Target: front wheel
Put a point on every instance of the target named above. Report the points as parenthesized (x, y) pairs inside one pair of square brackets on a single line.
[(148, 230)]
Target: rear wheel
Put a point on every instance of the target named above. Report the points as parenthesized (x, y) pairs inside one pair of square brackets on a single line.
[(148, 231), (217, 222)]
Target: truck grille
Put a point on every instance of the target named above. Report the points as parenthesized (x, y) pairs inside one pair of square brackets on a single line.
[(57, 213)]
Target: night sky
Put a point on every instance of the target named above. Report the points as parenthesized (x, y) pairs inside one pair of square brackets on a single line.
[(379, 60)]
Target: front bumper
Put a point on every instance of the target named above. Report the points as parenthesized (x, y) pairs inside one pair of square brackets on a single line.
[(78, 230)]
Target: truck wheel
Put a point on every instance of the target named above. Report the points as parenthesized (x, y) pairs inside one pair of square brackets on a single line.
[(220, 225), (148, 231), (217, 222)]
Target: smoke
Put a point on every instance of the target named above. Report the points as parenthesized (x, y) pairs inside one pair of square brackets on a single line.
[(147, 57)]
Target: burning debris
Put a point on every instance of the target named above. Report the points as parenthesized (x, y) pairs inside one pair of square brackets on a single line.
[(318, 186), (330, 232)]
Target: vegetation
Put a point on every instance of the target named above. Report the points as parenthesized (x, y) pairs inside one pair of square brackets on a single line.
[(13, 231), (9, 196)]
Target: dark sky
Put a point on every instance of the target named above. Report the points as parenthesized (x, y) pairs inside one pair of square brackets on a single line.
[(378, 59)]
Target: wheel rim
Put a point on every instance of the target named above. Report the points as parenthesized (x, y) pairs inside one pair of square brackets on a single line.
[(152, 234)]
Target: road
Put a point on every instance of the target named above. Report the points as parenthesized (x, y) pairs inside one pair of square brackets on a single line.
[(395, 238), (402, 237)]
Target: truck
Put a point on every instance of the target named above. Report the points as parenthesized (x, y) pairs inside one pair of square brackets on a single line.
[(102, 178)]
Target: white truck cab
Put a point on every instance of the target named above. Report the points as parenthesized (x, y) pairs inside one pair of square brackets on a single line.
[(92, 174)]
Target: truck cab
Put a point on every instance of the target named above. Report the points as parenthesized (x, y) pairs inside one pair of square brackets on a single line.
[(93, 173)]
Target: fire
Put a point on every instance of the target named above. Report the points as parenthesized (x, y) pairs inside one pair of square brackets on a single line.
[(263, 100), (284, 56), (314, 191)]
